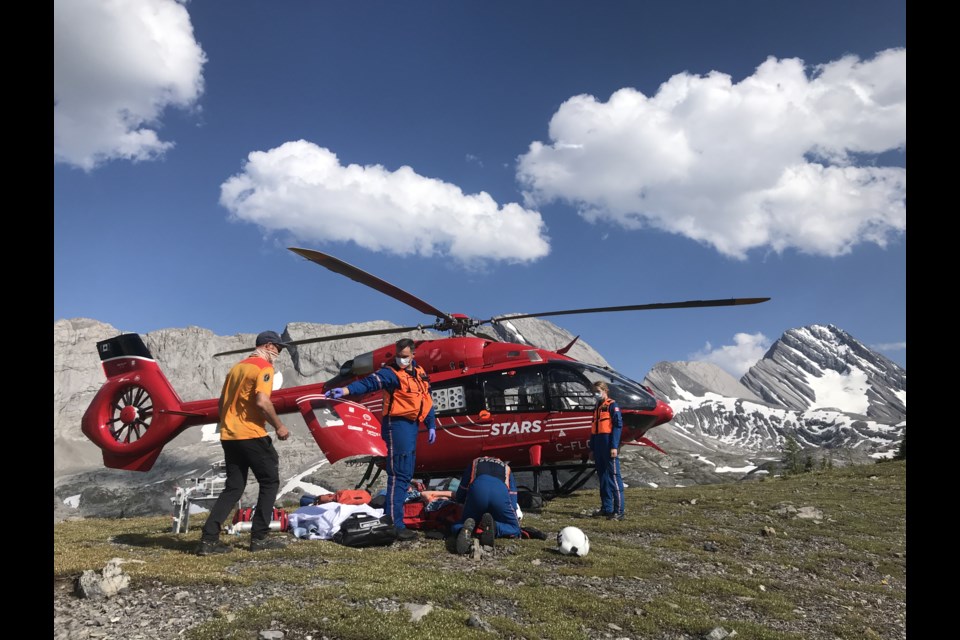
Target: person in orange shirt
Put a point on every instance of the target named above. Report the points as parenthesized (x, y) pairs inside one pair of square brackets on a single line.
[(245, 408)]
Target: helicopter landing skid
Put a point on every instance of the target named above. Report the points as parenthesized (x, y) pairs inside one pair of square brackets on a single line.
[(582, 473)]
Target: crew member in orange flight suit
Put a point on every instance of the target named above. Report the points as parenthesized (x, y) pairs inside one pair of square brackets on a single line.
[(605, 444), (406, 403)]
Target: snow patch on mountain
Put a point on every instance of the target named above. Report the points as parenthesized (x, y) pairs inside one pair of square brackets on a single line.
[(846, 391)]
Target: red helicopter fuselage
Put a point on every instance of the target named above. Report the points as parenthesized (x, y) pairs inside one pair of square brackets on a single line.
[(529, 406)]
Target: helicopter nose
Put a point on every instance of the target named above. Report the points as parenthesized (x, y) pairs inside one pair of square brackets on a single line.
[(663, 412)]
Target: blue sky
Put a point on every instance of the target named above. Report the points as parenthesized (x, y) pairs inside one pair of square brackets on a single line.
[(489, 158)]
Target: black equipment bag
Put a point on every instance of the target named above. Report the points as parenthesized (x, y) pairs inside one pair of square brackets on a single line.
[(528, 500), (364, 530)]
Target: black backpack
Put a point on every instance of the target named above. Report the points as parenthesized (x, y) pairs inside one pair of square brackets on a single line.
[(528, 500), (364, 530)]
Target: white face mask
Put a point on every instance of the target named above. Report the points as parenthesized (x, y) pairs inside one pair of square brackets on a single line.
[(267, 354), (403, 363), (598, 395)]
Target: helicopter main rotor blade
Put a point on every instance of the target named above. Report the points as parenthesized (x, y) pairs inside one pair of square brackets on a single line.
[(638, 307), (358, 275), (338, 336)]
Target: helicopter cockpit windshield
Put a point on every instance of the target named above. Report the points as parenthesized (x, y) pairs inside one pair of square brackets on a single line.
[(571, 386)]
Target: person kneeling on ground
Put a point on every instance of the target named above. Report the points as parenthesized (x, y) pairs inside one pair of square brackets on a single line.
[(488, 492)]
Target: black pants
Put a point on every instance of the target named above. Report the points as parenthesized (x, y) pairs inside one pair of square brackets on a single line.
[(240, 457)]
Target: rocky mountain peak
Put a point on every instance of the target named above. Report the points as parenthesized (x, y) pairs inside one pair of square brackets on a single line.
[(823, 366)]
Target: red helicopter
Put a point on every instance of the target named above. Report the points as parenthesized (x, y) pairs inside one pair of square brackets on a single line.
[(529, 406)]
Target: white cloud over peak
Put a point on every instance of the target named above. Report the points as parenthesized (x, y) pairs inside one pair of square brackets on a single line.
[(116, 67), (890, 346), (773, 161), (736, 358), (302, 189)]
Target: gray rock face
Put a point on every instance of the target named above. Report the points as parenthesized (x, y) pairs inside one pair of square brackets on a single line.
[(823, 366), (545, 335), (675, 380)]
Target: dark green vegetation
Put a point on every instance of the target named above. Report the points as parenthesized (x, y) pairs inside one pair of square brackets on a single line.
[(739, 556)]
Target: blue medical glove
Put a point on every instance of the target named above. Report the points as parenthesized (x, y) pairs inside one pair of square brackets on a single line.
[(431, 436), (336, 394)]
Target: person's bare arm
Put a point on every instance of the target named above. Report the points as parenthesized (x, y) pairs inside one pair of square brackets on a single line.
[(263, 401)]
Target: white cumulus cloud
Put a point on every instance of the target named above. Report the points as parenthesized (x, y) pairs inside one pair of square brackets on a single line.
[(117, 65), (736, 358), (780, 160), (302, 189)]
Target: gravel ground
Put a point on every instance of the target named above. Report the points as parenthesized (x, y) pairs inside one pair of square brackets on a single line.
[(156, 611)]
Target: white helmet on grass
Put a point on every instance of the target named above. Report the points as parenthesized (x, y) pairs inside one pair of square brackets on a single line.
[(573, 541)]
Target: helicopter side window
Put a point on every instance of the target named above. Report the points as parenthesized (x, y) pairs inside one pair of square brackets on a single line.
[(569, 391), (513, 391)]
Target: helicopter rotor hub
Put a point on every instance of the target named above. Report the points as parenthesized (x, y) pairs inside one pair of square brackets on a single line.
[(129, 414)]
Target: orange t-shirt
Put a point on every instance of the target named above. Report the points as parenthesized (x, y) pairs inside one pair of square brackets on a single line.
[(241, 418)]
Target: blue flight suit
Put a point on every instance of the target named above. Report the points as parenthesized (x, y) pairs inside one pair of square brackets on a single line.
[(489, 492), (608, 469), (400, 434)]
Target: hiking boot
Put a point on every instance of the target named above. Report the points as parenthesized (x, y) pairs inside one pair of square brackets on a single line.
[(266, 544), (208, 548), (599, 513), (616, 516), (465, 537), (488, 530), (405, 534)]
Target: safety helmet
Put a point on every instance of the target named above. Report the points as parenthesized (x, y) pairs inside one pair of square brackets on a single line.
[(573, 541)]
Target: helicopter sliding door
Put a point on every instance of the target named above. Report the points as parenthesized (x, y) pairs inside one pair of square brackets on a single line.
[(516, 402), (570, 390), (570, 401), (513, 391)]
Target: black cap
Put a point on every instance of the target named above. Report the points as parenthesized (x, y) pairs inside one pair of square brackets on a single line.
[(270, 337)]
